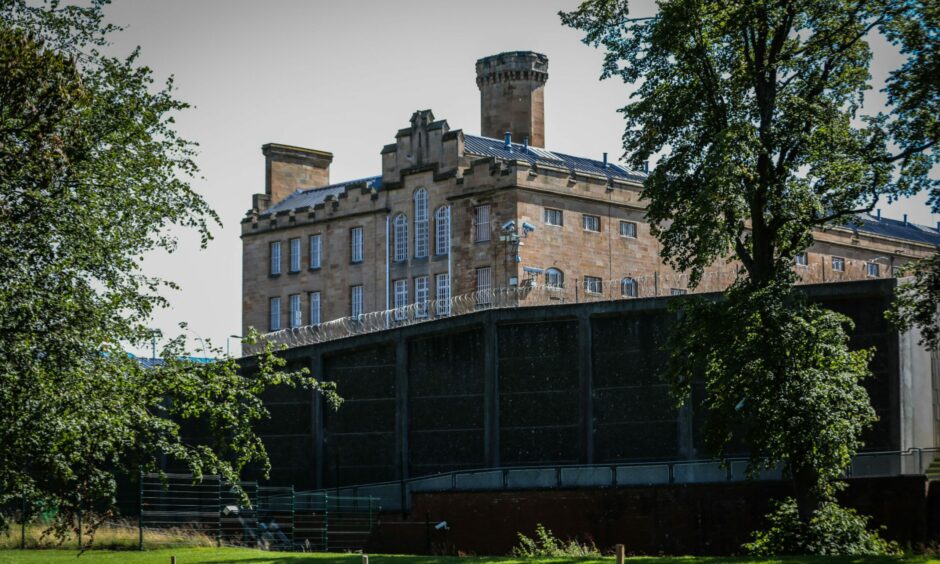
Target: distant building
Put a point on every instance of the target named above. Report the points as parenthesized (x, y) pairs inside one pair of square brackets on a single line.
[(454, 213)]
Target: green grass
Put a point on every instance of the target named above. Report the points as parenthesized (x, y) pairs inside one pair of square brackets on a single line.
[(224, 555)]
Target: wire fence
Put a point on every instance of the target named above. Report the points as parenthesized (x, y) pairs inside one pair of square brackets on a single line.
[(535, 291), (175, 509)]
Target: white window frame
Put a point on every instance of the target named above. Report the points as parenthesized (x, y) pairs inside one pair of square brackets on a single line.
[(626, 226), (422, 296), (840, 261), (587, 219), (551, 214), (629, 287), (421, 223), (442, 295), (482, 231), (801, 259), (275, 253), (484, 276), (400, 298), (593, 285), (296, 313), (274, 314), (554, 278), (355, 301), (442, 230), (873, 270), (400, 224), (314, 308), (294, 246), (315, 251), (355, 244)]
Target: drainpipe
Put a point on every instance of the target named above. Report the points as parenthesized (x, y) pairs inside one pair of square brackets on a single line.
[(450, 255), (386, 267)]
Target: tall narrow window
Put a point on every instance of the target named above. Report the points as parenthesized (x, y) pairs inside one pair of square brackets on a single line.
[(355, 244), (628, 229), (442, 281), (481, 223), (401, 299), (593, 285), (484, 285), (442, 230), (355, 301), (554, 278), (275, 258), (314, 308), (295, 255), (421, 296), (628, 288), (421, 223), (295, 318), (401, 238), (315, 251), (275, 314)]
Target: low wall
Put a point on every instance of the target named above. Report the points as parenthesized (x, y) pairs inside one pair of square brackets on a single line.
[(698, 519)]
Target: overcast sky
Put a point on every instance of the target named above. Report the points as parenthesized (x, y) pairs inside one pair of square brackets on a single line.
[(344, 76)]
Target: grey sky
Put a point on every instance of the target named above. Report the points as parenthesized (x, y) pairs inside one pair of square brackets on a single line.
[(344, 76)]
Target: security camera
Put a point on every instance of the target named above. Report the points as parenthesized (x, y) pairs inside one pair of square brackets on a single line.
[(442, 526), (527, 227), (509, 225)]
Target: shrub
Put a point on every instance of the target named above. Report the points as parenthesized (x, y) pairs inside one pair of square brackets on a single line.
[(833, 530), (545, 545)]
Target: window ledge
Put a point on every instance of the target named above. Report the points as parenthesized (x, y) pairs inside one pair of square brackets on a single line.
[(314, 268), (278, 275)]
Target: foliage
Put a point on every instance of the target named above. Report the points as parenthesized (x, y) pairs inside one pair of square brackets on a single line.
[(544, 545), (92, 175), (832, 531), (916, 301)]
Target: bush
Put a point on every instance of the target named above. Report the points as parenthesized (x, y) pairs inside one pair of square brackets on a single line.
[(834, 530), (545, 545)]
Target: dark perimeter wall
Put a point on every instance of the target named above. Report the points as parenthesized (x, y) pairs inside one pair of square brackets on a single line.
[(574, 383)]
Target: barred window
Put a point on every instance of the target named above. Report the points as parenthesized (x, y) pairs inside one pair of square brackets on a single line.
[(442, 281), (315, 251), (874, 270), (314, 308), (295, 255), (678, 292), (401, 299), (295, 316), (481, 223), (554, 278), (401, 237), (628, 229), (355, 243), (591, 223), (838, 264), (553, 217), (421, 223), (355, 301), (801, 259), (484, 285), (442, 230), (275, 314), (422, 296), (275, 258), (593, 285), (628, 288)]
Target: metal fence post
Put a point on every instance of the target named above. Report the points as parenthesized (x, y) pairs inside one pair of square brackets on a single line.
[(293, 521), (218, 514), (140, 508), (23, 522), (326, 522)]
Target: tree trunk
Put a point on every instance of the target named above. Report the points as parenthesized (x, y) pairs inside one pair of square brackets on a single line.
[(807, 496)]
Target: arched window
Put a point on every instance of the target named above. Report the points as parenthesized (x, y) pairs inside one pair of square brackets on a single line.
[(554, 278), (421, 223), (442, 230), (629, 288), (401, 237)]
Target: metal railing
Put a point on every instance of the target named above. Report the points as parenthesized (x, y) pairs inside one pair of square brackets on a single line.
[(396, 495), (533, 292)]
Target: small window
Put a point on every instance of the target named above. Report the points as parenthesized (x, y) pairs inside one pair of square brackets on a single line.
[(591, 223), (553, 217), (355, 244), (275, 314), (484, 285), (275, 258), (481, 223), (422, 296), (314, 308), (628, 229), (678, 292), (315, 251), (628, 288), (401, 238), (554, 278), (442, 282), (295, 314), (838, 264), (593, 285), (801, 259), (355, 301), (295, 255), (442, 230), (401, 299), (874, 270)]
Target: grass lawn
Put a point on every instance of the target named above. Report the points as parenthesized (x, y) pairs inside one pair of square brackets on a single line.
[(223, 555)]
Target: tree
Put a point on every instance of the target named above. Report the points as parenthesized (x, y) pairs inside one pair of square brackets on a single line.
[(756, 109), (92, 175)]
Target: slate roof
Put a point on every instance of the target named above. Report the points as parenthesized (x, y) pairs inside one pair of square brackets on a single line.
[(314, 196), (897, 229)]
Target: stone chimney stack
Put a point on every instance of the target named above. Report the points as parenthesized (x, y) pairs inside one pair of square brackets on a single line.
[(288, 168), (512, 95)]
